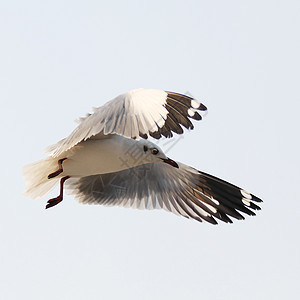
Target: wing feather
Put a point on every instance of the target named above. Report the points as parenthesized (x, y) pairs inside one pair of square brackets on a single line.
[(183, 191), (137, 113)]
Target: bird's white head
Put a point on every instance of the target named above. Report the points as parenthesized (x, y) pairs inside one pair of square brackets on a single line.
[(152, 153)]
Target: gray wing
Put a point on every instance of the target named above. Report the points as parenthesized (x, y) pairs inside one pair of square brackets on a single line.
[(183, 191), (138, 113)]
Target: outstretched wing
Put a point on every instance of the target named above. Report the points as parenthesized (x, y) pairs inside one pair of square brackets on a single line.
[(183, 191), (138, 113)]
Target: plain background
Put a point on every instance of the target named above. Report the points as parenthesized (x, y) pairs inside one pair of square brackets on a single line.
[(241, 58)]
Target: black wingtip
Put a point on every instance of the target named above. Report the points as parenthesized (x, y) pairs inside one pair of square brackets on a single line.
[(143, 135), (202, 107), (256, 199), (196, 117)]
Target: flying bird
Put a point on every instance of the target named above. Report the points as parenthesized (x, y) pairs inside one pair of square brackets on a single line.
[(109, 160)]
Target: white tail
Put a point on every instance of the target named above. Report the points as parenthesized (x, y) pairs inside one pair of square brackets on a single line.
[(36, 177)]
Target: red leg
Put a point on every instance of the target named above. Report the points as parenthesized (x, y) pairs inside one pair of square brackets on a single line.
[(60, 169), (59, 198)]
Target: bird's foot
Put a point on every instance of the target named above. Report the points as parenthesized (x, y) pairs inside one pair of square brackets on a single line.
[(54, 201), (59, 198)]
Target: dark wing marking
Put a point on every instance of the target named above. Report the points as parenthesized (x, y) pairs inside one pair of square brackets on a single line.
[(183, 191)]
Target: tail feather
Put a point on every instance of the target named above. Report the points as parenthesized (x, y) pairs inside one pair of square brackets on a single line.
[(52, 149), (36, 177)]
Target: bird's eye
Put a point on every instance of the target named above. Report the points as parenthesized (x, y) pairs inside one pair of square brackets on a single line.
[(145, 148), (154, 151)]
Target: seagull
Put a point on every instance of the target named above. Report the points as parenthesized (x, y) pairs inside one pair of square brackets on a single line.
[(109, 160)]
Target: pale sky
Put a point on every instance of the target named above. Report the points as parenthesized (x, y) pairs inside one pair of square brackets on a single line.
[(241, 59)]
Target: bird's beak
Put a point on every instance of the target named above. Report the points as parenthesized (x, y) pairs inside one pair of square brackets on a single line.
[(170, 162)]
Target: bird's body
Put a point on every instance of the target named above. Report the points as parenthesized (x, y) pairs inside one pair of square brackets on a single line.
[(108, 160), (94, 156)]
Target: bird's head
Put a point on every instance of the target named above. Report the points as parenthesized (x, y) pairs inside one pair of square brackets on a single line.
[(152, 153)]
